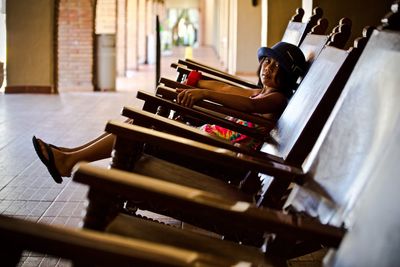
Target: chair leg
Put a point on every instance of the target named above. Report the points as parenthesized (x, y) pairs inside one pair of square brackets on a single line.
[(251, 184), (10, 255), (288, 249), (101, 210), (276, 194)]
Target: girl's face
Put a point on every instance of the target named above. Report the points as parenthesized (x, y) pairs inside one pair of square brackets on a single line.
[(269, 73)]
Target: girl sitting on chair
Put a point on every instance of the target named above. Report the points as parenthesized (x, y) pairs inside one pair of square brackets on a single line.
[(279, 68)]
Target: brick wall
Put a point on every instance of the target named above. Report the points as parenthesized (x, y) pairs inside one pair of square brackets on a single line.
[(75, 45)]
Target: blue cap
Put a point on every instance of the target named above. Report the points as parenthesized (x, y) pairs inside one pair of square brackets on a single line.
[(289, 57)]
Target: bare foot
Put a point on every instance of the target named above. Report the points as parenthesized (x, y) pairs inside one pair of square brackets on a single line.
[(60, 158)]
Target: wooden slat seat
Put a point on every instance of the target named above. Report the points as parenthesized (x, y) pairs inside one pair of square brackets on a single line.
[(155, 232), (154, 167)]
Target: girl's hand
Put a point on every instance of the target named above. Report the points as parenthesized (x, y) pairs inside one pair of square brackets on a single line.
[(189, 97)]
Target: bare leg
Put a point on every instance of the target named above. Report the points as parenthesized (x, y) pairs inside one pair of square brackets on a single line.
[(72, 149), (97, 149)]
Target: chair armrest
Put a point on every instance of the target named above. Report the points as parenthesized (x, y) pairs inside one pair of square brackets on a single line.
[(214, 72), (202, 64), (91, 248), (199, 115), (183, 71), (150, 120), (166, 92), (193, 202), (204, 152), (173, 84)]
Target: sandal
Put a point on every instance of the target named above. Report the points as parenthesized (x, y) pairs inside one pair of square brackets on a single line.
[(49, 163)]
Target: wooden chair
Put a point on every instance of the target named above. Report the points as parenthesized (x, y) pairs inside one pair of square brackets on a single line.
[(357, 146), (296, 29)]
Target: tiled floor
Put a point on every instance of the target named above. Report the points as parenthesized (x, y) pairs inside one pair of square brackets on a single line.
[(67, 119), (26, 189)]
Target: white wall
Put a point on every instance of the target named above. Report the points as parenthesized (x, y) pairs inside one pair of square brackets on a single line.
[(248, 36), (105, 17), (209, 22), (224, 33), (307, 5)]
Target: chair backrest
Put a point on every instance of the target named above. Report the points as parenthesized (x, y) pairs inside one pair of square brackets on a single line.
[(301, 122), (344, 27), (375, 231), (356, 155), (296, 30), (316, 39)]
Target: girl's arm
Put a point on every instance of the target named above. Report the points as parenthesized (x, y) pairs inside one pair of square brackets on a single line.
[(270, 103), (226, 88)]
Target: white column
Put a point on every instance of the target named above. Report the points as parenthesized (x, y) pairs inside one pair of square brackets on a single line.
[(132, 34), (121, 37), (248, 36), (232, 40), (308, 7), (264, 22)]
